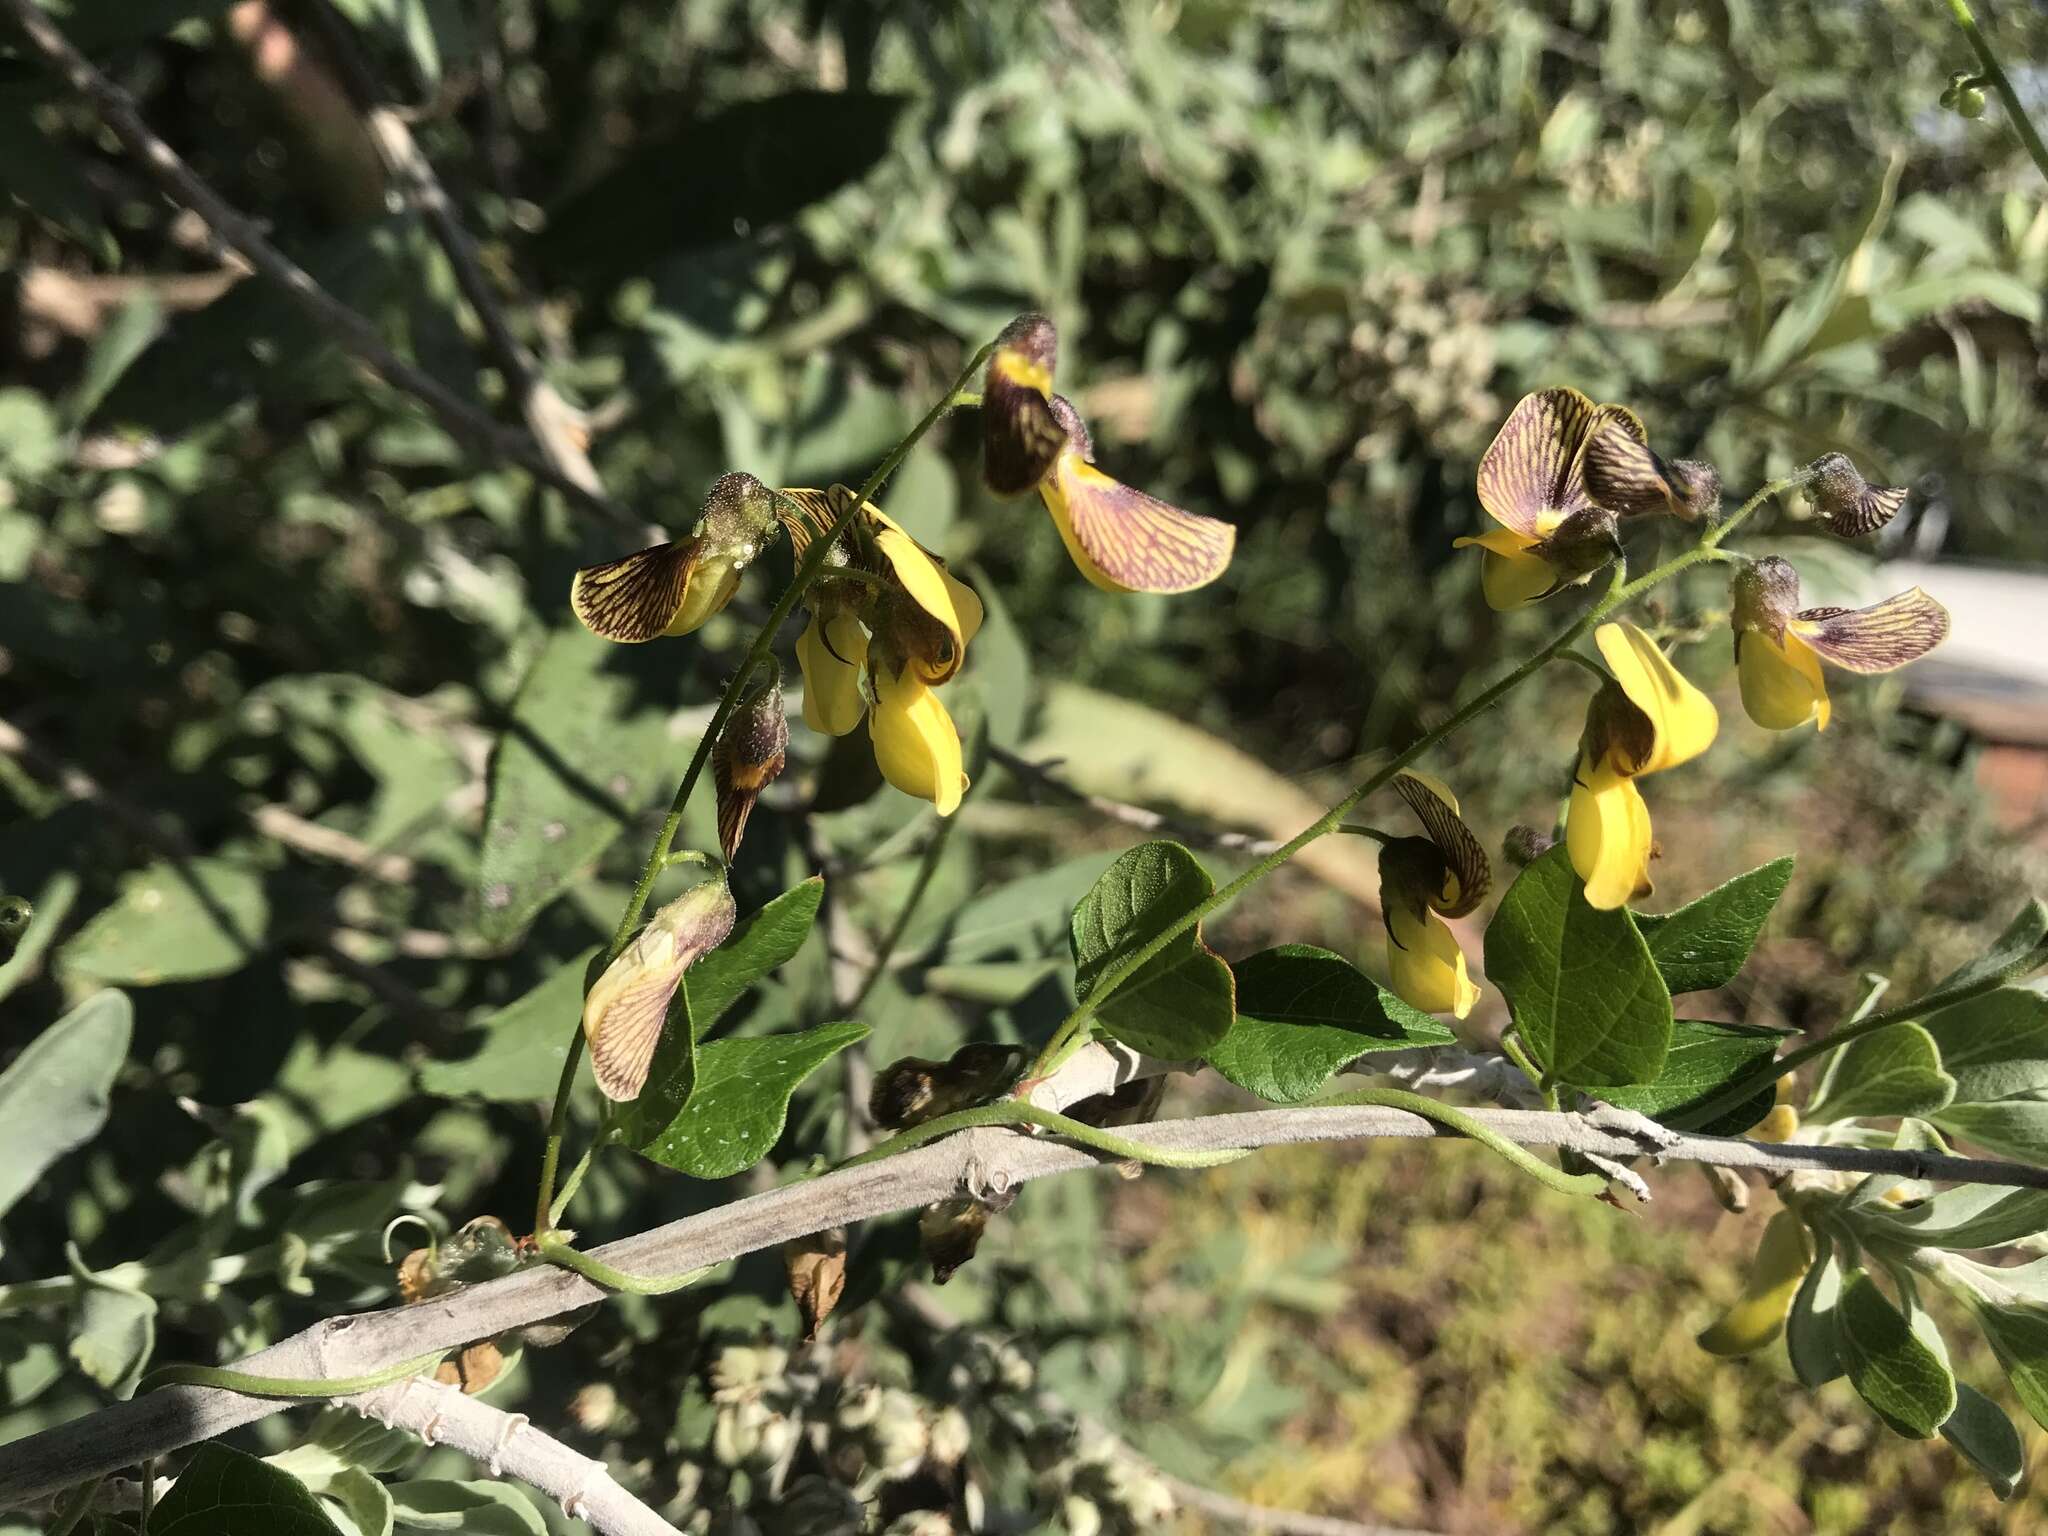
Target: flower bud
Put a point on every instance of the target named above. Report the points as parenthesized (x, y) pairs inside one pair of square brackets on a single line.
[(952, 1437), (949, 1232), (1021, 437), (594, 1407), (1697, 487), (1523, 846), (1964, 95), (751, 753), (624, 1012), (1849, 504), (1580, 545), (817, 1275)]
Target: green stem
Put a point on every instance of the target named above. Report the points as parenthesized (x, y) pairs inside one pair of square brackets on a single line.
[(73, 1510), (555, 1251), (1511, 1048), (560, 1206), (286, 1386), (1457, 1120), (1363, 829), (808, 569), (1994, 72), (1017, 1112), (1073, 1032), (1770, 1071)]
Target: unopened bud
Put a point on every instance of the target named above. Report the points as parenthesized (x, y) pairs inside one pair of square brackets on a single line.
[(1763, 596), (624, 1012), (750, 756), (1142, 1494), (594, 1407), (1580, 545), (1021, 437), (817, 1275), (1849, 504), (1523, 846), (1697, 486)]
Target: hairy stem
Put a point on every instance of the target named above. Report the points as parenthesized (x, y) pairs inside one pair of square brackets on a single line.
[(1018, 1112), (1994, 72), (807, 571), (1456, 1119)]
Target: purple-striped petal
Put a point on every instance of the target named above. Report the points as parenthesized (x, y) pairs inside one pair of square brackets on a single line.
[(1880, 638)]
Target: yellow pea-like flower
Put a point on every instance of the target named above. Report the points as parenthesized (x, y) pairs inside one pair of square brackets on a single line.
[(1758, 1316)]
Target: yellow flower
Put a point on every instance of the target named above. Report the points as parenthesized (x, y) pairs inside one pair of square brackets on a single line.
[(1121, 539), (1758, 1316), (894, 634), (1779, 646), (672, 589), (1422, 881), (1646, 719)]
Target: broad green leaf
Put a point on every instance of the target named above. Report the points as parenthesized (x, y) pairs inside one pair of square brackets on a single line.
[(54, 1097), (1586, 996), (2015, 1128), (758, 945), (579, 755), (1995, 1045), (742, 1095), (1182, 1000), (1904, 1382), (2019, 1337), (361, 1504), (113, 1328), (475, 1509), (1985, 1437), (1705, 1057), (225, 1493), (1811, 1328), (1705, 942), (1303, 1013), (179, 920), (524, 1045), (1027, 918), (1896, 1071)]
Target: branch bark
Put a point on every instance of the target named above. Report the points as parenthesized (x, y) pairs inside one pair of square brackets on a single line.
[(350, 330), (986, 1159)]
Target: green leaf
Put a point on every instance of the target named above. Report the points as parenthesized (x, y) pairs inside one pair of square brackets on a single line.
[(1905, 1383), (2023, 947), (54, 1098), (225, 1493), (1896, 1071), (179, 920), (1183, 999), (525, 1043), (2016, 1128), (1986, 1438), (1028, 918), (475, 1509), (759, 945), (577, 758), (1971, 1216), (362, 1504), (1811, 1327), (1587, 998), (1995, 1045), (2019, 1337), (113, 1328), (742, 1095), (1705, 942), (1705, 1058), (1303, 1013)]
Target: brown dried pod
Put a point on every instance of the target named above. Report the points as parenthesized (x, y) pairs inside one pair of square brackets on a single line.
[(817, 1275), (916, 1089)]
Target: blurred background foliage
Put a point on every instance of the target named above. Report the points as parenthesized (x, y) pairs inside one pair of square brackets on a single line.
[(261, 622)]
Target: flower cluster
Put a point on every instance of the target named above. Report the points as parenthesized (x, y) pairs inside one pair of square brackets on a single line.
[(1562, 478), (887, 623)]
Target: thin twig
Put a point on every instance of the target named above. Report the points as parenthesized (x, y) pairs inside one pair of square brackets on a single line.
[(1041, 776), (158, 1422), (558, 427), (349, 329)]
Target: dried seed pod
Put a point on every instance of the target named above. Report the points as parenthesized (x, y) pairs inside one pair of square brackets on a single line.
[(817, 1275), (751, 754)]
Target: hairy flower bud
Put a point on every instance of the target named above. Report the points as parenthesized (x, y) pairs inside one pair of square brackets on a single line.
[(1581, 544), (624, 1011), (751, 753), (1523, 846), (1849, 504), (1697, 485), (1763, 596)]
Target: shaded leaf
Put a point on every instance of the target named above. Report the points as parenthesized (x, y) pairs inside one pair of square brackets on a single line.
[(524, 1044), (1896, 1071), (476, 1509), (177, 920), (1303, 1013), (1986, 1438), (54, 1097), (1705, 1058), (1181, 1001), (2016, 1128), (1811, 1328), (225, 1493), (1891, 1367), (1996, 1045), (113, 1328), (1587, 998), (742, 1095), (2019, 1337)]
